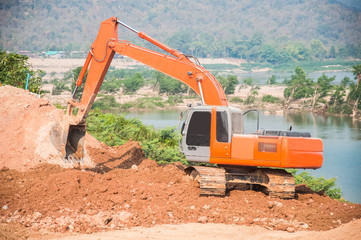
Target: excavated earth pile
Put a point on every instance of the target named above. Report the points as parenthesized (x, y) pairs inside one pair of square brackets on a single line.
[(119, 188)]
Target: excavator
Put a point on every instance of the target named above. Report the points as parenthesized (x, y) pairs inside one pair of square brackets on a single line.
[(212, 133)]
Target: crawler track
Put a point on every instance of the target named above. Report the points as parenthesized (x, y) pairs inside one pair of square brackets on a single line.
[(213, 181)]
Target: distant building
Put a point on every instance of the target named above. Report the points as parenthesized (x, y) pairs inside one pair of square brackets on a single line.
[(27, 53), (53, 54)]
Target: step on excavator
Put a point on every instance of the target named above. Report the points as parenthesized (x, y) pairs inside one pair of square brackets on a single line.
[(211, 133)]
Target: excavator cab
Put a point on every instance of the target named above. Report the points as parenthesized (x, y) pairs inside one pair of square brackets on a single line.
[(207, 126)]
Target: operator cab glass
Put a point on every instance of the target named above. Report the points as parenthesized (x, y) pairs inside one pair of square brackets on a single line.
[(222, 127), (237, 123), (199, 129)]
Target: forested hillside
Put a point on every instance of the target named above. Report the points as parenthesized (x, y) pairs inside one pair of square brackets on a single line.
[(215, 28)]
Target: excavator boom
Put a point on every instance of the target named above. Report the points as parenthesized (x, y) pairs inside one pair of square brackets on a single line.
[(106, 44)]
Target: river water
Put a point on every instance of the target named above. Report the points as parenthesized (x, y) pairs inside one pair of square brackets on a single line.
[(341, 137), (261, 77)]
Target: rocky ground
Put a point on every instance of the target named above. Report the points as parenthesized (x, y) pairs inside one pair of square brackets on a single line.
[(118, 189)]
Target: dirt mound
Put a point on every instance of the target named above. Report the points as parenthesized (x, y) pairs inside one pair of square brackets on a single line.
[(26, 123), (30, 126), (58, 199)]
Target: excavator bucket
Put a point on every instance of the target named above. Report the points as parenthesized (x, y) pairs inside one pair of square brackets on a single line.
[(72, 147)]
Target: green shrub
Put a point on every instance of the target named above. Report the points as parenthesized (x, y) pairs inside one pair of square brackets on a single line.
[(59, 87), (13, 71), (228, 84), (168, 84), (270, 99), (132, 84), (317, 184), (159, 145), (172, 100), (248, 81), (250, 99), (126, 106), (106, 103), (236, 100), (111, 86)]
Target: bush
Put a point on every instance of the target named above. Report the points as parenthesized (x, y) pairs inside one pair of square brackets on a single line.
[(59, 87), (126, 106), (106, 103), (159, 145), (111, 86), (132, 84), (250, 99), (228, 84), (317, 184), (248, 81), (236, 100), (172, 100), (13, 71), (168, 84), (270, 99)]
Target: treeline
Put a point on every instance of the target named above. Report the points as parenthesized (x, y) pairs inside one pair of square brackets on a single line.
[(215, 28), (260, 49), (344, 98), (317, 94)]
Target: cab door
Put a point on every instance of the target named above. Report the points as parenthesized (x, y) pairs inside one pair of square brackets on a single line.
[(196, 136), (220, 135)]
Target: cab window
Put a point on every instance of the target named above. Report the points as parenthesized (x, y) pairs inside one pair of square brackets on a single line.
[(199, 129), (222, 127)]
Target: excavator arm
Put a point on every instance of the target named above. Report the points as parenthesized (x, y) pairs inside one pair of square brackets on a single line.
[(106, 44), (177, 66)]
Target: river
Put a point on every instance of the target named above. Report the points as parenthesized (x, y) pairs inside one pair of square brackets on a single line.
[(261, 77), (341, 137)]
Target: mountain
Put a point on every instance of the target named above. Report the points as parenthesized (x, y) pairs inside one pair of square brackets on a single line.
[(38, 25)]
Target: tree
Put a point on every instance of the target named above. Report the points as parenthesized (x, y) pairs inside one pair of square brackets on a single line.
[(168, 84), (318, 49), (248, 81), (298, 87), (337, 100), (345, 81), (14, 69), (228, 84), (180, 40), (332, 52), (271, 80), (132, 84), (321, 88), (354, 95)]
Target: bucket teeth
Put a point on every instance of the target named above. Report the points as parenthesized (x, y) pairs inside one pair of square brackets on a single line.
[(73, 143), (72, 159)]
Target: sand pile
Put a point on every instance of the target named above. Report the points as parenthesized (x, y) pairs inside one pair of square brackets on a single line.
[(29, 125)]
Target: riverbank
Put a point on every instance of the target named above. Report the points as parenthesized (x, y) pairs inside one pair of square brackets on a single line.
[(245, 97)]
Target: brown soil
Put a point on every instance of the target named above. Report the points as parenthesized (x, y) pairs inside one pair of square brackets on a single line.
[(120, 189)]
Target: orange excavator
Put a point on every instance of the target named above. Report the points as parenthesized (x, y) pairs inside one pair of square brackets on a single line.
[(211, 133)]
